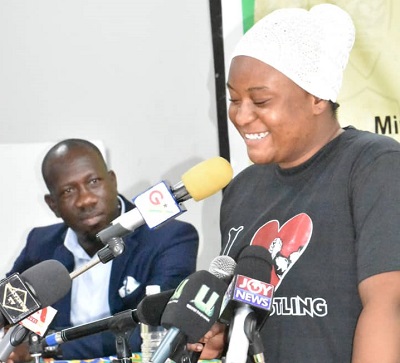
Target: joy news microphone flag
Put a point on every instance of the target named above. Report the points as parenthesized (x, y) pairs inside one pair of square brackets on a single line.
[(247, 304)]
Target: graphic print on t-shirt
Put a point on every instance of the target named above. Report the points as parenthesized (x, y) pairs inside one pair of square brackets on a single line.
[(286, 243)]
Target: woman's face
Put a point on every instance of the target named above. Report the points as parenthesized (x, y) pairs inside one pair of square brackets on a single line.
[(274, 116)]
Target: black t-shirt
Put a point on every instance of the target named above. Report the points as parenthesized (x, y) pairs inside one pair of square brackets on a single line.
[(329, 224)]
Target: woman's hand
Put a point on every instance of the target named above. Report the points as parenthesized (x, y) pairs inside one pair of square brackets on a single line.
[(212, 344), (20, 354)]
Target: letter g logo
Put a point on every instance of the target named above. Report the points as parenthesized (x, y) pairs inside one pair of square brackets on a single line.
[(156, 197)]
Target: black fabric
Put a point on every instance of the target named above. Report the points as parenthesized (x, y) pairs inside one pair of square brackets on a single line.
[(336, 217)]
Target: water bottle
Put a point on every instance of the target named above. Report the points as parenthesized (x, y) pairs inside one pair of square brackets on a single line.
[(151, 335)]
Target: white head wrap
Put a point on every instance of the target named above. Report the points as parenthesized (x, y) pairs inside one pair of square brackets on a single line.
[(310, 47)]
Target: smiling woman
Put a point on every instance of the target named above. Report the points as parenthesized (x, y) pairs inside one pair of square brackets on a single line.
[(321, 199)]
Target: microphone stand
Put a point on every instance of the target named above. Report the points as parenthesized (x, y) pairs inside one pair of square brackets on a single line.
[(122, 328), (124, 352), (35, 346), (113, 248), (14, 336), (256, 347)]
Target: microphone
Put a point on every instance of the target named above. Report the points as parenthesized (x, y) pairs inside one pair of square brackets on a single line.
[(223, 267), (161, 202), (249, 300), (14, 336), (149, 311), (40, 285), (193, 309)]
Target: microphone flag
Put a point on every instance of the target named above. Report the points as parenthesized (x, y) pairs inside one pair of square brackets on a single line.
[(198, 297), (157, 205), (17, 301)]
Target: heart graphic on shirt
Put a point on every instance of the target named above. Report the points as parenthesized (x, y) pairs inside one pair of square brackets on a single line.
[(286, 243)]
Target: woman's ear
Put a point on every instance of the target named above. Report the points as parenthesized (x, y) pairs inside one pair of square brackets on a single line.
[(320, 105)]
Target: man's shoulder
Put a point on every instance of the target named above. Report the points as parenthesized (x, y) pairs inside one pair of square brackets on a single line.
[(48, 233), (43, 243), (169, 228), (172, 233)]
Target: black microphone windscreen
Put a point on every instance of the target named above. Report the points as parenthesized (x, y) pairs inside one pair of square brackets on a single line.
[(49, 280), (151, 307), (255, 262), (195, 305)]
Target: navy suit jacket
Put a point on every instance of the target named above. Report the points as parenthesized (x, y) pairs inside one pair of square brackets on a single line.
[(163, 256)]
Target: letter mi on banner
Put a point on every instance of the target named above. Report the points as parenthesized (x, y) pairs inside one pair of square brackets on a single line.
[(370, 94)]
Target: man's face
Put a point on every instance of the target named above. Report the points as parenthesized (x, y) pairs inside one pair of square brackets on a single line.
[(273, 115), (83, 192)]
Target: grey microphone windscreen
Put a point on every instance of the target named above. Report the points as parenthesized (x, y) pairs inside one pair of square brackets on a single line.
[(223, 267), (49, 280)]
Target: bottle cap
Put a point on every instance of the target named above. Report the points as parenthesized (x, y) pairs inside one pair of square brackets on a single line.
[(152, 289)]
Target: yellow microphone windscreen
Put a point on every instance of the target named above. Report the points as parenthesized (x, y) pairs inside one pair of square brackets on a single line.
[(207, 177)]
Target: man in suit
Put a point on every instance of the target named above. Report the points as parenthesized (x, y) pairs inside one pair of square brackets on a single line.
[(83, 193)]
